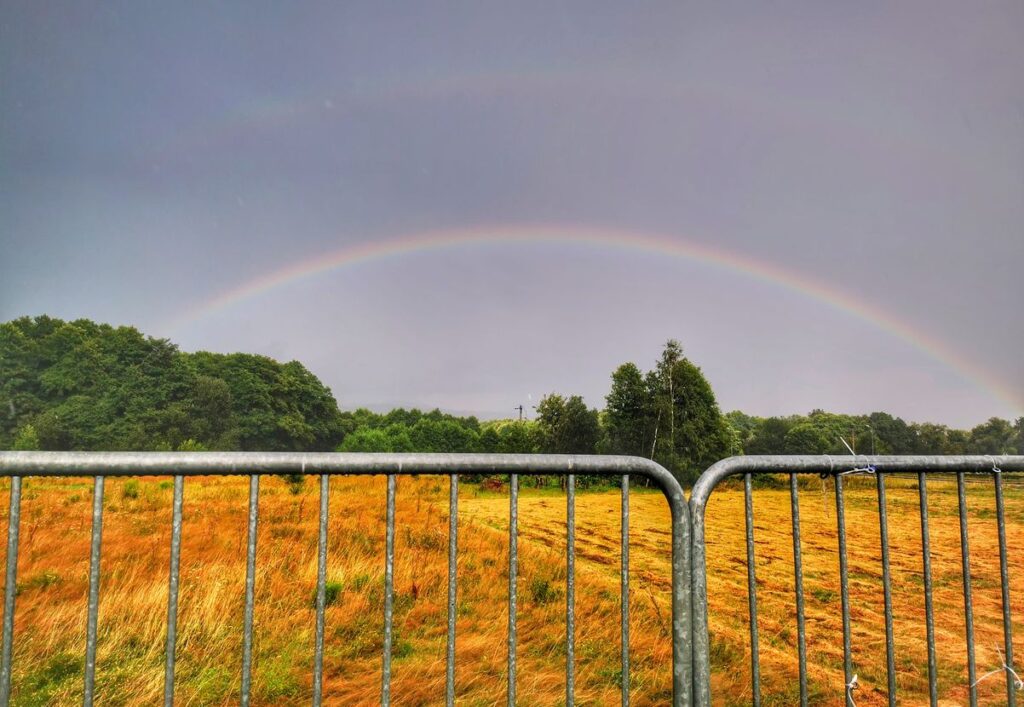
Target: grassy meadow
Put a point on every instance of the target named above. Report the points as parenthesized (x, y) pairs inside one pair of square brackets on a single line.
[(53, 571)]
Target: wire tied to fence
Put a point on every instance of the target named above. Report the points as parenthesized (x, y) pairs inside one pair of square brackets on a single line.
[(1018, 684), (865, 469), (995, 467), (850, 687)]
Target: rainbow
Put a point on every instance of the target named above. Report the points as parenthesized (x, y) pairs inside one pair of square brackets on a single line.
[(630, 241)]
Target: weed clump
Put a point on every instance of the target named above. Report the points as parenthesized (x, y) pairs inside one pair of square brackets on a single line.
[(130, 490), (542, 592), (332, 593)]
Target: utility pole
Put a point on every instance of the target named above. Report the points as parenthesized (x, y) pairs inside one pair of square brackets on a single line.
[(520, 409)]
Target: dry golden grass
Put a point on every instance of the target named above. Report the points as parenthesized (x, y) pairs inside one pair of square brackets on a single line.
[(53, 575), (727, 595), (53, 570)]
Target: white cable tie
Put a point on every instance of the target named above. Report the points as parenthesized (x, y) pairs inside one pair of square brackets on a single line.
[(850, 687), (869, 469), (1018, 684)]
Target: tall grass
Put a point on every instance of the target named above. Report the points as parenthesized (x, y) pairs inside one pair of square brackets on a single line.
[(53, 571)]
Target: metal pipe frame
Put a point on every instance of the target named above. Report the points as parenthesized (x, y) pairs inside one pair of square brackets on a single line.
[(837, 467), (182, 465)]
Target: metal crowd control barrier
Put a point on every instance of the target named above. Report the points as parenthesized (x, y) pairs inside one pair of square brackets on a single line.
[(254, 464), (838, 467)]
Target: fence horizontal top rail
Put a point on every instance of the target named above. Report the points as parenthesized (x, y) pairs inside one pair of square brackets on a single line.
[(245, 463), (838, 464)]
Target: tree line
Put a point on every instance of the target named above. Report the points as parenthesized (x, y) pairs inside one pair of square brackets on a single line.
[(80, 385), (85, 386)]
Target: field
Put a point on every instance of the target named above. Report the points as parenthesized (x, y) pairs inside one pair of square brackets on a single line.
[(53, 569)]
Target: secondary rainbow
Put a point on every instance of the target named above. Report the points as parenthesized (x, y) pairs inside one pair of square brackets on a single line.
[(641, 242)]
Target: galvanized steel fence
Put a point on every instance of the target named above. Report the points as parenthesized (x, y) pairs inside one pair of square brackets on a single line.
[(690, 638), (838, 468), (182, 465)]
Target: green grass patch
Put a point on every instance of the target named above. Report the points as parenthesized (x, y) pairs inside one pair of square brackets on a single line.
[(332, 593), (40, 685), (42, 581), (130, 489), (543, 592)]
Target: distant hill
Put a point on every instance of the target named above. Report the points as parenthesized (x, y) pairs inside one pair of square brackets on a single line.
[(85, 386)]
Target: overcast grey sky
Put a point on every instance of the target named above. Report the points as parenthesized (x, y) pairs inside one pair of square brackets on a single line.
[(156, 155)]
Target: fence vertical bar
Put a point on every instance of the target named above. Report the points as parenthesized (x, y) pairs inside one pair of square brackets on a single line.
[(683, 683), (1004, 576), (453, 546), (798, 581), (321, 592), (844, 592), (890, 643), (172, 590), (250, 587), (624, 590), (570, 590), (389, 593), (513, 568), (94, 591), (10, 589), (933, 688), (965, 560), (755, 660)]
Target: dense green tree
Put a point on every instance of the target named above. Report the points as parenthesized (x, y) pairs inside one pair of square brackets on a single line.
[(426, 435), (957, 442), (510, 437), (410, 417), (669, 414), (431, 434), (489, 439), (929, 438), (366, 439), (567, 425), (629, 413), (996, 436), (808, 438), (743, 426), (83, 386), (769, 437), (26, 440), (358, 419), (278, 407), (693, 433), (209, 407), (890, 435)]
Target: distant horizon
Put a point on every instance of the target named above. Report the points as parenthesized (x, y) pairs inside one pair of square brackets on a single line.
[(493, 414)]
